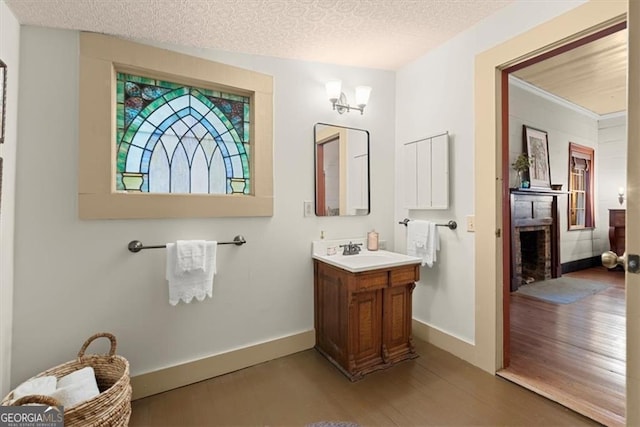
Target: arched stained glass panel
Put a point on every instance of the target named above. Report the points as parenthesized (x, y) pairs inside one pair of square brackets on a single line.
[(174, 138)]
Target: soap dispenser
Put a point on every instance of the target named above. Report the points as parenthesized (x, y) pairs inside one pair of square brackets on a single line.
[(372, 240)]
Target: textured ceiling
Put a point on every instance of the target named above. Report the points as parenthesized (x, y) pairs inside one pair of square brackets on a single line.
[(384, 34)]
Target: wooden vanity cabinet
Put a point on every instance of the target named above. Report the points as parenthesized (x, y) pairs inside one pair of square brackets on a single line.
[(363, 320)]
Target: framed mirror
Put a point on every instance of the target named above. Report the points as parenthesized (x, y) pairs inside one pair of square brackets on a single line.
[(341, 170)]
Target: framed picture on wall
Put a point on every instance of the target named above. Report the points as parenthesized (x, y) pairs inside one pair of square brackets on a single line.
[(3, 97), (536, 146)]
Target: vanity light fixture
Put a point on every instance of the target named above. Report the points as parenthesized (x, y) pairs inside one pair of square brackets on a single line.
[(339, 99), (621, 195)]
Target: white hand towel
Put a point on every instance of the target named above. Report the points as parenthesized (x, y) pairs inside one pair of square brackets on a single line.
[(433, 245), (417, 238), (191, 254), (42, 385), (184, 285)]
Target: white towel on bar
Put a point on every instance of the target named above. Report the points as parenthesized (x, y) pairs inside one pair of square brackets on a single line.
[(191, 254), (423, 241), (185, 285), (433, 245)]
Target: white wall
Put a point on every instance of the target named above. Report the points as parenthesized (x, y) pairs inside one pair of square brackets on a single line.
[(74, 278), (435, 94), (612, 172), (9, 54), (563, 125)]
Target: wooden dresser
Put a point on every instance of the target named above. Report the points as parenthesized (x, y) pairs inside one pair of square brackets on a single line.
[(363, 320), (617, 230)]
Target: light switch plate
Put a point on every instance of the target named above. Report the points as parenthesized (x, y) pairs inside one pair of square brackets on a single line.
[(471, 223), (308, 208)]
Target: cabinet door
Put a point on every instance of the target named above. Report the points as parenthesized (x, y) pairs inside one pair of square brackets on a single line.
[(366, 329), (426, 173), (396, 327), (410, 175), (331, 313), (440, 172), (424, 176)]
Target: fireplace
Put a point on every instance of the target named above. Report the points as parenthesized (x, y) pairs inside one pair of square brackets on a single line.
[(533, 254), (534, 237)]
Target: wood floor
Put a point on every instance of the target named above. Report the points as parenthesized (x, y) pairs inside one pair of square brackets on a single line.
[(434, 389), (574, 353)]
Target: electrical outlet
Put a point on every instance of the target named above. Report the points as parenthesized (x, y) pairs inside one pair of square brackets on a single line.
[(308, 208), (471, 223)]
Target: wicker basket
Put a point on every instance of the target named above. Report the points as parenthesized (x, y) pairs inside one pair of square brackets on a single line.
[(112, 407)]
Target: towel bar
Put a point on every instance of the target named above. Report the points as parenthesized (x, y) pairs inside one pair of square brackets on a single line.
[(451, 224), (137, 246)]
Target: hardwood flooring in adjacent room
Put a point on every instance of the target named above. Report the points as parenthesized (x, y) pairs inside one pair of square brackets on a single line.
[(574, 353), (434, 389)]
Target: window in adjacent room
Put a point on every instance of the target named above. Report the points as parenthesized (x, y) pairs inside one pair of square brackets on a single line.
[(581, 179)]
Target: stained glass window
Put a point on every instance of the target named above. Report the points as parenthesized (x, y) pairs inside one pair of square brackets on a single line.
[(174, 138)]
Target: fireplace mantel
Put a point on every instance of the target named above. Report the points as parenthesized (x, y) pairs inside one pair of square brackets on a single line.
[(537, 191)]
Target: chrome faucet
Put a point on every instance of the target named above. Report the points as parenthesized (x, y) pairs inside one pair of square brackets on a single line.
[(351, 248)]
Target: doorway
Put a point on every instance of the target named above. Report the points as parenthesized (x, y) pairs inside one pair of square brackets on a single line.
[(489, 127), (573, 354)]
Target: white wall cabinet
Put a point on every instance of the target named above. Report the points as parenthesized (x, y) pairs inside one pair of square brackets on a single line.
[(426, 173)]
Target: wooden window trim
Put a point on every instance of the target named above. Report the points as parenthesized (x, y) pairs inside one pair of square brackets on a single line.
[(100, 57), (586, 153)]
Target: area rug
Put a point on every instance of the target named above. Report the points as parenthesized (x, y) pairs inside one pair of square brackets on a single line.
[(562, 290)]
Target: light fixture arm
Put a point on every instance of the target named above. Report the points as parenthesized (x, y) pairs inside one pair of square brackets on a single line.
[(341, 105)]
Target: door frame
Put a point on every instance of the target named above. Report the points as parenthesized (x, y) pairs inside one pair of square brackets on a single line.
[(632, 240), (573, 25), (506, 209)]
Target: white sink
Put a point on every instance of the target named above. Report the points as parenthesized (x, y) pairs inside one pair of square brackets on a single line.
[(367, 260)]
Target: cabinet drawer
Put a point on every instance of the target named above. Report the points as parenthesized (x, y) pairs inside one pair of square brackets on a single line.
[(404, 275), (616, 218), (374, 280)]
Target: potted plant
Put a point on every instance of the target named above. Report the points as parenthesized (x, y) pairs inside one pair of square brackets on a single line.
[(521, 165)]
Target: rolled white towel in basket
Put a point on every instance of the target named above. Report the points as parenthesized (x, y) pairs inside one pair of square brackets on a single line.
[(84, 375), (76, 387), (42, 385)]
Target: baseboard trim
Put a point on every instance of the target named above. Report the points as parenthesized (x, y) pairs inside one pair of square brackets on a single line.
[(456, 346), (581, 264), (192, 372)]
